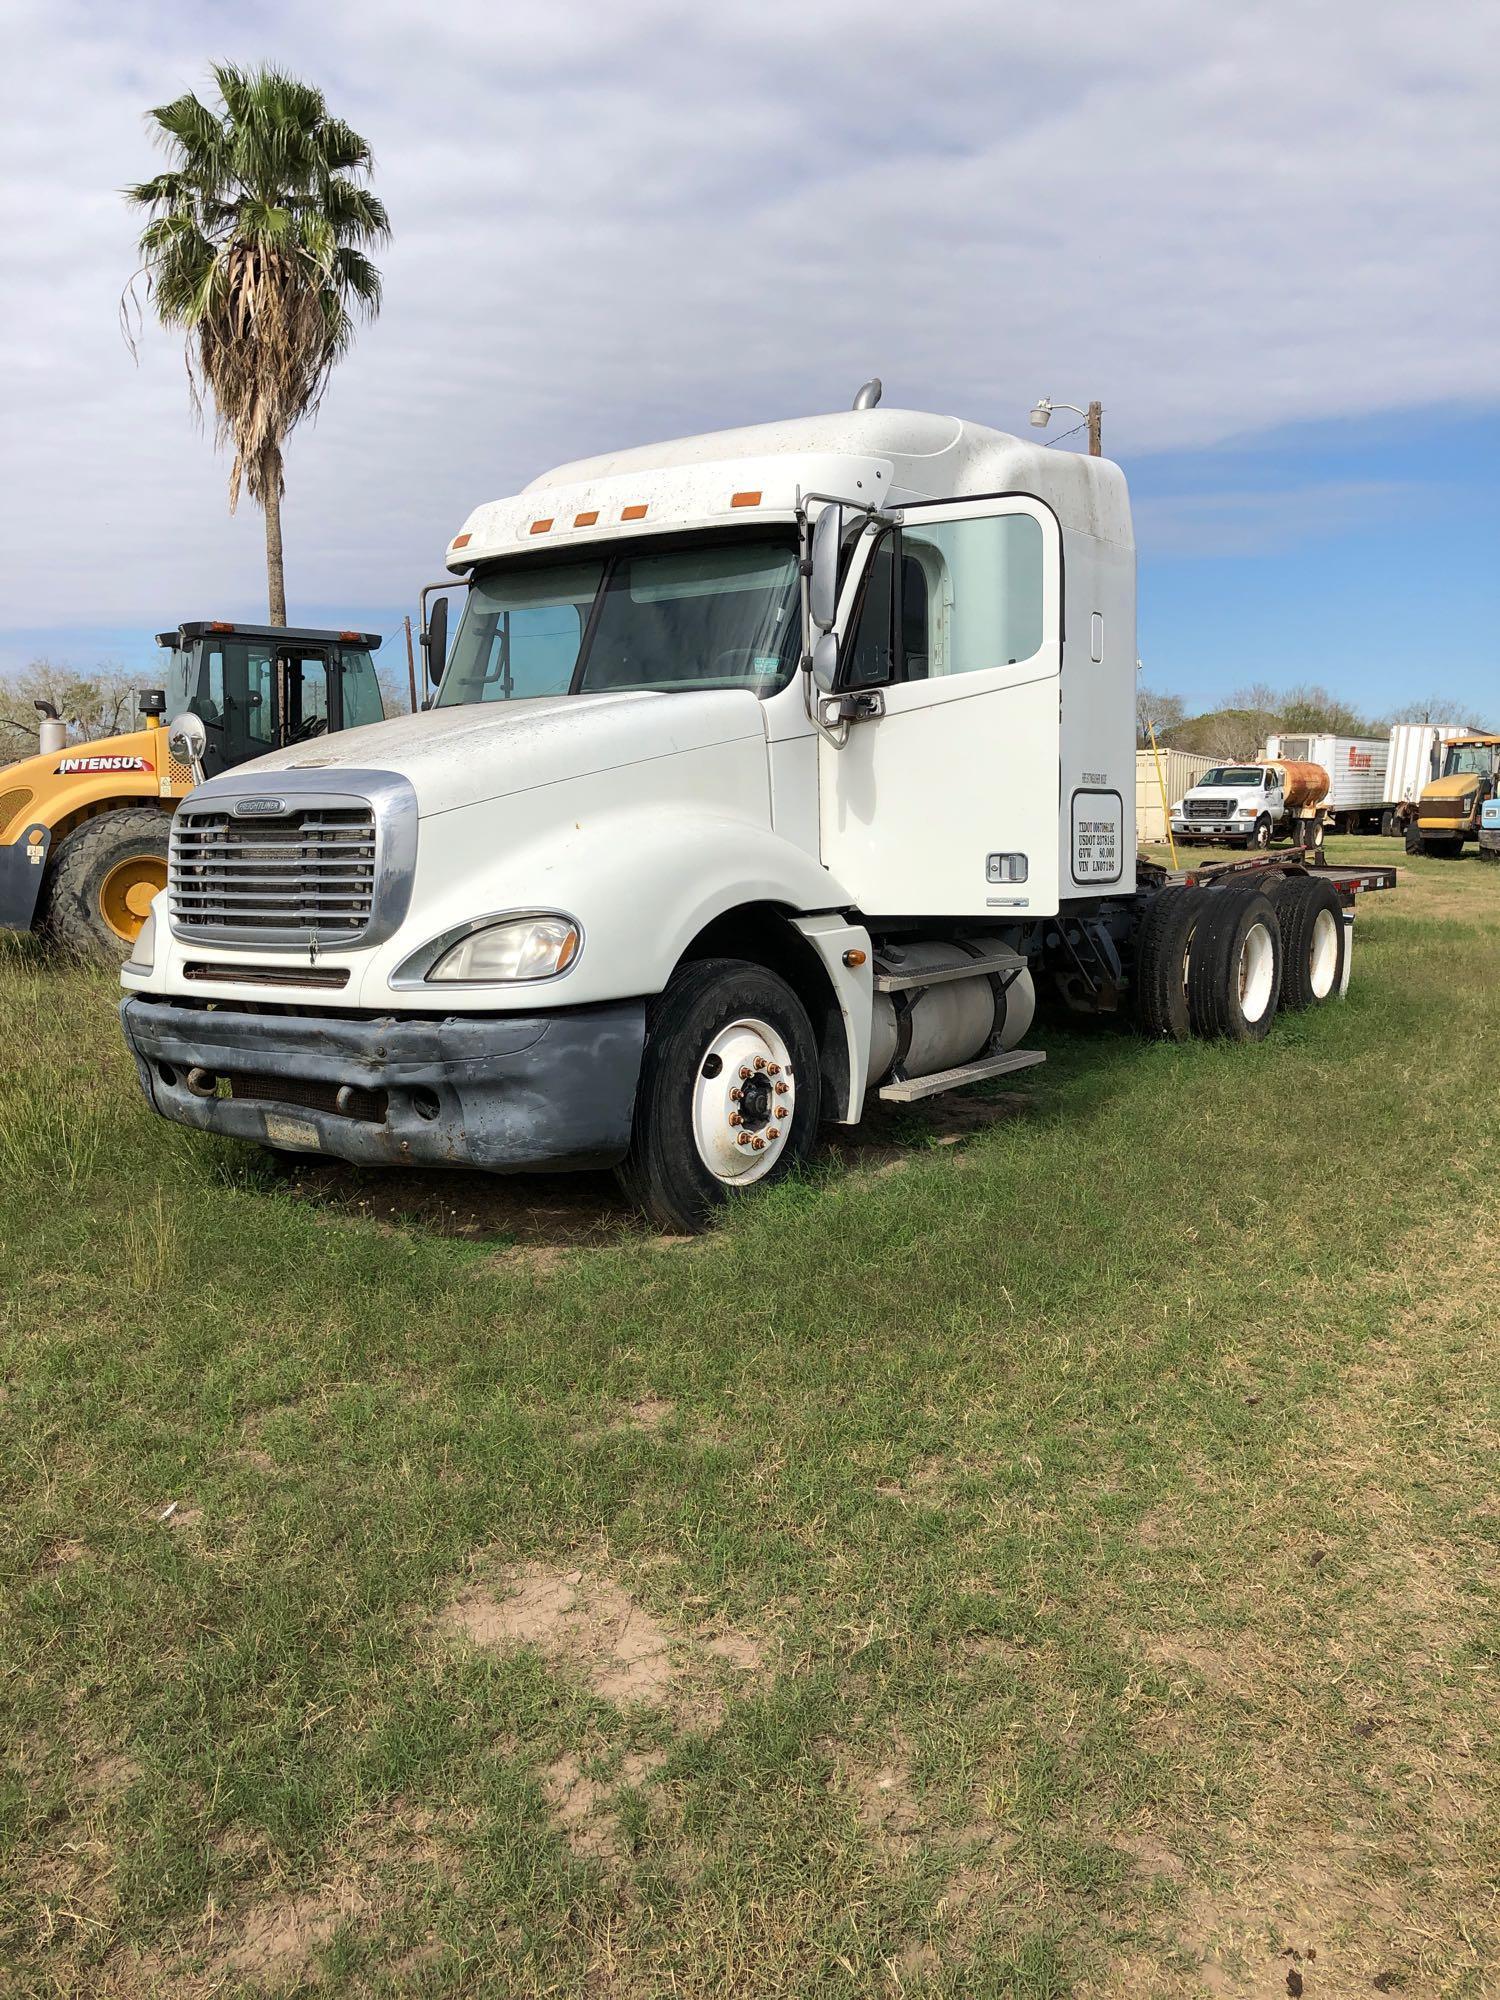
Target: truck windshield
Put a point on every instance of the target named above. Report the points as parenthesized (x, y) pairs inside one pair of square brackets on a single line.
[(1464, 759), (1233, 774), (698, 614)]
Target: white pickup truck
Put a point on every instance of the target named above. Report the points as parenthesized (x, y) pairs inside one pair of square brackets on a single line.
[(769, 770)]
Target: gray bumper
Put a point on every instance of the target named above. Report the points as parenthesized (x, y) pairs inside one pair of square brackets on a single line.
[(504, 1092)]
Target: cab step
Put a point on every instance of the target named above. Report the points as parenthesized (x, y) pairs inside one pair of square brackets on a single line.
[(910, 1088), (889, 978)]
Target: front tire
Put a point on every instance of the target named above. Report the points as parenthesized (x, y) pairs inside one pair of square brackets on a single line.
[(101, 882), (1261, 835), (730, 1057)]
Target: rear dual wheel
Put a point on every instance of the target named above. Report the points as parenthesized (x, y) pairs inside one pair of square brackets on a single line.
[(1314, 940), (1234, 966)]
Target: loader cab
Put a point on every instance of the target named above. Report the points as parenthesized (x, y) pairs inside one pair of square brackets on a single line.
[(262, 688)]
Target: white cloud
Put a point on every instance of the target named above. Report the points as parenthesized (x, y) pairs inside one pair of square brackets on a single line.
[(616, 222)]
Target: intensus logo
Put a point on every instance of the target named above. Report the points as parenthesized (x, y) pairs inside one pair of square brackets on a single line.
[(73, 767)]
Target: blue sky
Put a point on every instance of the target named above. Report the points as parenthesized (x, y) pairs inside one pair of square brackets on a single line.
[(1266, 237)]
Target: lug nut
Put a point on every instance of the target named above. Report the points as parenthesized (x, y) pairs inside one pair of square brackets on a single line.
[(760, 1062), (781, 1090), (781, 1111), (744, 1073), (743, 1139), (734, 1118), (773, 1131), (759, 1145), (735, 1095), (773, 1069)]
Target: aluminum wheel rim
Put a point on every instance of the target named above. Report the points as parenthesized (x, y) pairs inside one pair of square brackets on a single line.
[(1257, 972), (744, 1101), (1324, 957)]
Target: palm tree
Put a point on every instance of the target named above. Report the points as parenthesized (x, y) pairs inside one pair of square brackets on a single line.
[(255, 250)]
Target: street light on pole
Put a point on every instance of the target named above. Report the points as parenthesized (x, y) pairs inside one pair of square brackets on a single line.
[(1041, 416)]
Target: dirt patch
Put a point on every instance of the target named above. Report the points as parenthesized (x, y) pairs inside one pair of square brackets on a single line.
[(735, 1649), (107, 1776), (890, 1136), (883, 1794), (257, 1460), (648, 1413), (583, 1807), (540, 1260), (276, 1943), (61, 1555)]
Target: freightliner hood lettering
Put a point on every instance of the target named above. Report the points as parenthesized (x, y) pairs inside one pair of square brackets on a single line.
[(462, 756)]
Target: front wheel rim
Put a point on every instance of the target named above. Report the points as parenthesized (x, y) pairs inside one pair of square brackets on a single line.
[(744, 1101)]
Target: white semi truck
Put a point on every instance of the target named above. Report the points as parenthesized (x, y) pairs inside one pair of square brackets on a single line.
[(769, 771)]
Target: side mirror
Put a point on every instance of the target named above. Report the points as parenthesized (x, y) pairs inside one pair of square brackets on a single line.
[(187, 740), (825, 660), (435, 640), (823, 584)]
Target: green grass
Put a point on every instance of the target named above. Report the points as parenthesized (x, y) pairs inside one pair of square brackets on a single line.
[(1106, 1503)]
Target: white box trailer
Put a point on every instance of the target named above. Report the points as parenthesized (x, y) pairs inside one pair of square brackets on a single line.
[(1356, 765), (771, 771)]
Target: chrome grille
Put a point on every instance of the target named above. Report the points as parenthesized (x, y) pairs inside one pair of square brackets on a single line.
[(1210, 808), (308, 871)]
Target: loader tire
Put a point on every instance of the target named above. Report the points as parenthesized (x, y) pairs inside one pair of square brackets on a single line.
[(101, 880), (1415, 844), (730, 1054), (1161, 1003), (1234, 967), (1313, 940)]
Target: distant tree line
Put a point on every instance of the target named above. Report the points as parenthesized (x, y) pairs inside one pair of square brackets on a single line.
[(1240, 727), (101, 703)]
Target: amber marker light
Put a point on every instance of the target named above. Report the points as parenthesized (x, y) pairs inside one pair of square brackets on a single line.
[(586, 520), (461, 541), (636, 513), (542, 527), (745, 500)]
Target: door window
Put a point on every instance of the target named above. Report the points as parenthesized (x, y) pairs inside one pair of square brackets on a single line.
[(361, 689), (306, 697), (889, 641), (983, 581)]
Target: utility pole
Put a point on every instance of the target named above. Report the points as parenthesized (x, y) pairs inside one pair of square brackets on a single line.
[(411, 666), (1096, 430)]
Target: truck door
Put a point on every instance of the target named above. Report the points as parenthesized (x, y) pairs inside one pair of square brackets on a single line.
[(947, 803), (307, 694)]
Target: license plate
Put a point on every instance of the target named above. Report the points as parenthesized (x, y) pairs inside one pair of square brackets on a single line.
[(292, 1131)]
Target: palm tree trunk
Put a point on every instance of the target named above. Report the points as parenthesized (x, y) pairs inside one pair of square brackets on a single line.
[(275, 572)]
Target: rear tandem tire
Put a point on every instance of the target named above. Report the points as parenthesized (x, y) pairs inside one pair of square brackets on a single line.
[(713, 1017), (1313, 940), (100, 881), (1234, 967), (1161, 1004)]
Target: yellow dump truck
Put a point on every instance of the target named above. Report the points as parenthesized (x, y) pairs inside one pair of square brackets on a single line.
[(1448, 811), (84, 826)]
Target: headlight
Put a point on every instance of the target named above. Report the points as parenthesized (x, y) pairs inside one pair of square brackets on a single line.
[(1244, 812), (1466, 804), (531, 947)]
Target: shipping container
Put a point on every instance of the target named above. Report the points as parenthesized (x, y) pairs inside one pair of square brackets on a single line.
[(1180, 771)]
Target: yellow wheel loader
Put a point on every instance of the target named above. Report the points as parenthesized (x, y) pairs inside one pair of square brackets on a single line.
[(1448, 812), (84, 826)]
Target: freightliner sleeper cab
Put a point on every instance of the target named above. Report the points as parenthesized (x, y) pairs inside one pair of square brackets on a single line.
[(768, 770)]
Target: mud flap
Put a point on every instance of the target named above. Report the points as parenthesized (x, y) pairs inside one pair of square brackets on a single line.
[(23, 866)]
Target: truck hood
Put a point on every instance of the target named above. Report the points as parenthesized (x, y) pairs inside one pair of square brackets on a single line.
[(464, 755), (1457, 787)]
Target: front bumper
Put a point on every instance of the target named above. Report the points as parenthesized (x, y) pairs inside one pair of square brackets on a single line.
[(504, 1092), (1489, 841)]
